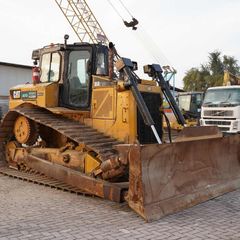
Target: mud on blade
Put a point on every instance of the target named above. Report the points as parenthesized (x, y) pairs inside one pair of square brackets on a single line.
[(168, 178)]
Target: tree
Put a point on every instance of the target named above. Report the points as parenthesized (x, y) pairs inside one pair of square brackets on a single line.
[(191, 80), (215, 63), (211, 73), (194, 80), (230, 64)]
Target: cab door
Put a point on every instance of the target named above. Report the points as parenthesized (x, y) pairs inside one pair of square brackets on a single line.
[(77, 83)]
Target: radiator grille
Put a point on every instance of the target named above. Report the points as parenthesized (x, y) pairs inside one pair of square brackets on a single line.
[(153, 102), (222, 113), (217, 122)]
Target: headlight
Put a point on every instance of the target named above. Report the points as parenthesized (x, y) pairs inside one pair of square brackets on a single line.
[(235, 125), (16, 94)]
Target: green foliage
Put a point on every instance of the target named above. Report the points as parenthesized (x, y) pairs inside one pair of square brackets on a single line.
[(211, 73), (215, 63), (230, 64)]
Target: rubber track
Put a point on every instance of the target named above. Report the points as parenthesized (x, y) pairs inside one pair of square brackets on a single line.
[(41, 179), (76, 131)]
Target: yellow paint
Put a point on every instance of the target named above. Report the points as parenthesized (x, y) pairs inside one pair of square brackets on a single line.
[(46, 95), (91, 164), (22, 129), (148, 82), (120, 124), (230, 79), (113, 108), (103, 103)]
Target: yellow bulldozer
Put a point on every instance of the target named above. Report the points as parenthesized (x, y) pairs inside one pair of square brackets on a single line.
[(100, 131)]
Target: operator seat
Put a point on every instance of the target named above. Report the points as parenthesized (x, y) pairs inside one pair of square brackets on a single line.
[(75, 90)]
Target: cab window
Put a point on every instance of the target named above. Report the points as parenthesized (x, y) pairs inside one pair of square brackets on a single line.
[(184, 102), (78, 78), (101, 64), (50, 67)]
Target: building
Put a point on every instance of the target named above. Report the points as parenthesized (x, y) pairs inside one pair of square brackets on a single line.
[(13, 74), (10, 75)]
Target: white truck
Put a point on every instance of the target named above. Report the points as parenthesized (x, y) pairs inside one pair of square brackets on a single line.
[(221, 107)]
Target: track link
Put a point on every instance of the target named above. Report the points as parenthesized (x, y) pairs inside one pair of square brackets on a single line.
[(40, 179), (80, 133)]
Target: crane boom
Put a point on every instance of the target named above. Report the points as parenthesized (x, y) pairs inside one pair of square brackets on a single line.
[(82, 20), (230, 79)]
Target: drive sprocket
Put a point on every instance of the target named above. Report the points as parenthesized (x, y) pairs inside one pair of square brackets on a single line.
[(25, 131)]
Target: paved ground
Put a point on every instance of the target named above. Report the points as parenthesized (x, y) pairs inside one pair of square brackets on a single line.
[(29, 211)]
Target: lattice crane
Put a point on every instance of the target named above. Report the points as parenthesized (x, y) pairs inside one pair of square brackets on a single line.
[(83, 21)]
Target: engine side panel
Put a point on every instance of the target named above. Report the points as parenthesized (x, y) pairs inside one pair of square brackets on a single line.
[(43, 95)]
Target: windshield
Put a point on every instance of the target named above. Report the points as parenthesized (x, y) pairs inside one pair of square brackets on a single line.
[(222, 97), (184, 102), (50, 67)]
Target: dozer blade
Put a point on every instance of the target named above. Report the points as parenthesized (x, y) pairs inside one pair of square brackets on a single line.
[(198, 133), (168, 178)]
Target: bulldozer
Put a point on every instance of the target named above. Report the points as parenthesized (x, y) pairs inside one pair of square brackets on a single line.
[(88, 120), (103, 134)]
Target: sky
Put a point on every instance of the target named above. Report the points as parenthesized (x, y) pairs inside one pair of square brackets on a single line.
[(179, 33)]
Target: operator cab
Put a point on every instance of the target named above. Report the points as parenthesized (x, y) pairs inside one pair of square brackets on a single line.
[(72, 66), (190, 103)]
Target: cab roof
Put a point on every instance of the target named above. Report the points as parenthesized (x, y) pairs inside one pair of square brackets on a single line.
[(224, 87)]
